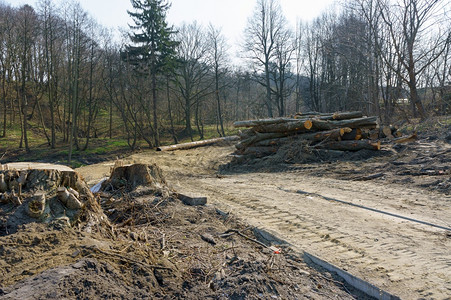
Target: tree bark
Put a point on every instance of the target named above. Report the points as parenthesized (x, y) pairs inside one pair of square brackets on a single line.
[(155, 105), (367, 122), (350, 145), (334, 135), (198, 143), (354, 134), (252, 123), (298, 125)]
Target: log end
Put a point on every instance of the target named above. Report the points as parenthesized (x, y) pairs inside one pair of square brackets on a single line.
[(377, 146), (308, 124)]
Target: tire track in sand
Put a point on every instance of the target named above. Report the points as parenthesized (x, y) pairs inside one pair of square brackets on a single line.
[(407, 259)]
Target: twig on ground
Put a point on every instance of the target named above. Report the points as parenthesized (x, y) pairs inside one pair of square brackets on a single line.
[(243, 235), (95, 249)]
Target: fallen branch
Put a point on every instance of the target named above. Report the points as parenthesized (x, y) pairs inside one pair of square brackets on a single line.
[(407, 139), (109, 253), (227, 233)]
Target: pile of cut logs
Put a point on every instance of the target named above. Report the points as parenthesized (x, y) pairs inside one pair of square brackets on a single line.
[(343, 131)]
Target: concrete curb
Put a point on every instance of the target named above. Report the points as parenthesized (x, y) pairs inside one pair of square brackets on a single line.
[(360, 284), (367, 288)]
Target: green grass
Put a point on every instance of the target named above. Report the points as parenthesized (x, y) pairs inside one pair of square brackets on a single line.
[(99, 149)]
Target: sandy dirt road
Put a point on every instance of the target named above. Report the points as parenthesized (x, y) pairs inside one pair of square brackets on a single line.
[(405, 258)]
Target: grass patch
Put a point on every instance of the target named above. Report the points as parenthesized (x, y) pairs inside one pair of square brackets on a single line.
[(99, 149)]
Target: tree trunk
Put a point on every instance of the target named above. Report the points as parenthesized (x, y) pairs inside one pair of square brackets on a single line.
[(188, 128), (219, 111), (5, 104), (174, 136), (199, 124), (24, 106), (155, 113), (41, 118), (268, 88)]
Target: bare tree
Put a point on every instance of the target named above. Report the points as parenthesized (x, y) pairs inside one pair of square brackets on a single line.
[(76, 43), (281, 69), (260, 34), (299, 57), (313, 53), (416, 43), (27, 30), (219, 58), (193, 79), (7, 57), (52, 52)]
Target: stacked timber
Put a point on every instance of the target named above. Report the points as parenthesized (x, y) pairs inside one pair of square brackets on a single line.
[(342, 131)]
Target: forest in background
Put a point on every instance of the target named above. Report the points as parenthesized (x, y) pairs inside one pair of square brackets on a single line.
[(65, 78)]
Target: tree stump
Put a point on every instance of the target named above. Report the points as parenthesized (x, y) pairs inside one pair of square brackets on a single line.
[(45, 193), (129, 177)]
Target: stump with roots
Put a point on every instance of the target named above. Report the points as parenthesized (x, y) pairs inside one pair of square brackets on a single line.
[(31, 192), (130, 177)]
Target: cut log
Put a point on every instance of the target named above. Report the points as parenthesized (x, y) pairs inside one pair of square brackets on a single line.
[(259, 137), (262, 122), (365, 132), (367, 122), (291, 126), (354, 134), (347, 115), (311, 113), (350, 145), (333, 135), (407, 139), (331, 116), (374, 134), (198, 143), (246, 133)]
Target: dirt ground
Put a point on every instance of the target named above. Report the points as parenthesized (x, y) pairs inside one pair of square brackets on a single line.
[(383, 218), (154, 247), (393, 248)]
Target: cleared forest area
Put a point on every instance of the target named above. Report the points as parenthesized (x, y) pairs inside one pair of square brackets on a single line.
[(66, 82), (152, 167)]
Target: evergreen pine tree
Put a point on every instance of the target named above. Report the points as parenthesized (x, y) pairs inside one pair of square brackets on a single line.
[(152, 49)]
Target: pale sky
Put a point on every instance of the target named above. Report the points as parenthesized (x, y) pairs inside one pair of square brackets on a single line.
[(230, 15)]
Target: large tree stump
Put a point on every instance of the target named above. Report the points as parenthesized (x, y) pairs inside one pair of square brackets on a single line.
[(130, 177), (29, 193)]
